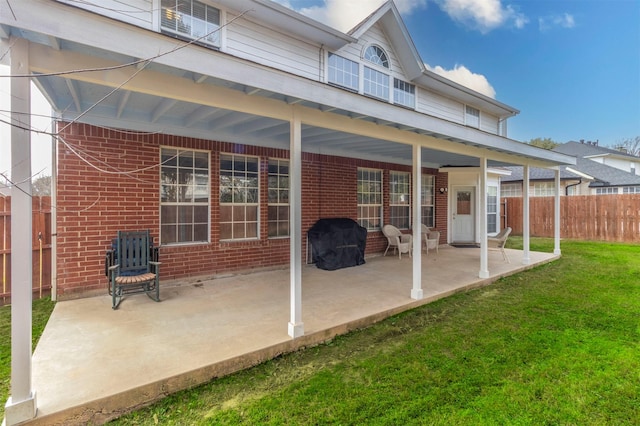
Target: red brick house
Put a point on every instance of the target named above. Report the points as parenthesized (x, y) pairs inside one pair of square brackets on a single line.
[(228, 127)]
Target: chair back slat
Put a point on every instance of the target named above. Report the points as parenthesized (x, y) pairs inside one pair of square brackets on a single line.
[(133, 251)]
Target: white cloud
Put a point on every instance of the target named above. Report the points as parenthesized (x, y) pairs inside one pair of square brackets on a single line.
[(564, 20), (344, 15), (483, 15), (462, 75)]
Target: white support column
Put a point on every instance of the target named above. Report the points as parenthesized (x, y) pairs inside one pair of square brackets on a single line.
[(296, 327), (21, 405), (482, 190), (526, 257), (416, 290), (556, 214)]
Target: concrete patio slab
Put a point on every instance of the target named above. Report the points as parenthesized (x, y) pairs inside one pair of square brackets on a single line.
[(93, 364)]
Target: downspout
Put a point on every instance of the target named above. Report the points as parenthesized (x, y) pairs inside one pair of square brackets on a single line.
[(566, 189)]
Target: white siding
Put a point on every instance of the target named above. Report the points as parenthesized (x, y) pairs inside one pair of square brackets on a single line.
[(135, 12), (433, 104), (267, 46), (488, 123)]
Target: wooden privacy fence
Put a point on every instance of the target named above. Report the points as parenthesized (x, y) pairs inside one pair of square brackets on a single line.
[(40, 241), (584, 217)]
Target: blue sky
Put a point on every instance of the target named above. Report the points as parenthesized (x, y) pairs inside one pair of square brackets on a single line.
[(572, 67)]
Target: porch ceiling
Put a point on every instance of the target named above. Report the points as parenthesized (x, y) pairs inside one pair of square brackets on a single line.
[(88, 101)]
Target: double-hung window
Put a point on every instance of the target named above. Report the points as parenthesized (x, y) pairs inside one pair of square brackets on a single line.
[(404, 93), (544, 189), (370, 198), (343, 72), (278, 216), (511, 189), (472, 116), (428, 201), (492, 209), (399, 201), (184, 196), (606, 190), (376, 83), (239, 197), (192, 20)]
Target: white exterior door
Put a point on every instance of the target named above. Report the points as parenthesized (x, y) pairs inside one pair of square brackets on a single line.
[(463, 215)]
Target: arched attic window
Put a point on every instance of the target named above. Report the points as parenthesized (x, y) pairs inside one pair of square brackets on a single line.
[(376, 55)]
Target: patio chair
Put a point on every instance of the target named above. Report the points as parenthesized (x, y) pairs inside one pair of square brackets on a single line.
[(132, 266), (431, 238), (498, 242), (397, 240)]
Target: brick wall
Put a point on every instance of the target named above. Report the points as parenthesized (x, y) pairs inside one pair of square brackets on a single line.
[(119, 190)]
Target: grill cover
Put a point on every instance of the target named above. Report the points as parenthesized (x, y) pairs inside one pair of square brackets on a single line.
[(337, 243)]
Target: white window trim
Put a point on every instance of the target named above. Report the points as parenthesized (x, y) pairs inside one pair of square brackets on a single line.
[(404, 205), (161, 203), (380, 206), (222, 32), (467, 115), (432, 201), (257, 204), (269, 204)]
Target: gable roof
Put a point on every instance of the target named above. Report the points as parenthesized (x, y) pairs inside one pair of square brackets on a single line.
[(605, 175), (599, 174), (586, 149), (389, 18)]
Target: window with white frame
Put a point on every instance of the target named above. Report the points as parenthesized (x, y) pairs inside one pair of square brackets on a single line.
[(543, 189), (404, 93), (511, 189), (370, 198), (184, 196), (631, 190), (239, 197), (278, 209), (191, 19), (376, 55), (428, 200), (472, 116), (606, 190), (376, 83), (343, 72), (399, 200), (492, 209)]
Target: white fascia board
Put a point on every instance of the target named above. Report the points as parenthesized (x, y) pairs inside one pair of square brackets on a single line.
[(579, 173)]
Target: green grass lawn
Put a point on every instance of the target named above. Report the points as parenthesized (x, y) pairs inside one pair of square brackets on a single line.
[(558, 344), (42, 309)]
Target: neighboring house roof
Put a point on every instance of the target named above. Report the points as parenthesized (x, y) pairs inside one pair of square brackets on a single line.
[(587, 149), (599, 174), (536, 173), (605, 175)]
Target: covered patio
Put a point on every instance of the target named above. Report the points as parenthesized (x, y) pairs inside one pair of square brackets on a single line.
[(93, 364)]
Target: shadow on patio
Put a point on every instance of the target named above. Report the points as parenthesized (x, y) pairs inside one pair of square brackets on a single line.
[(93, 364)]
